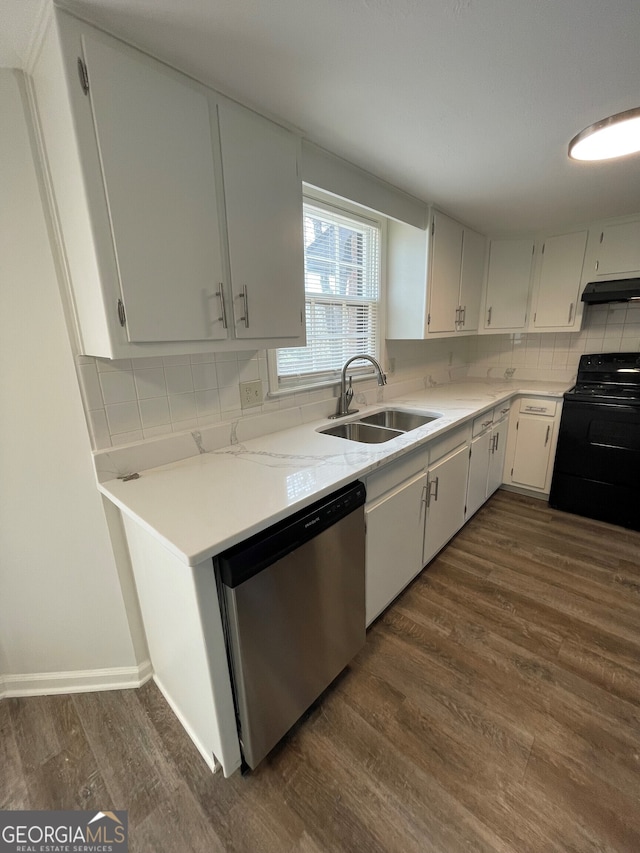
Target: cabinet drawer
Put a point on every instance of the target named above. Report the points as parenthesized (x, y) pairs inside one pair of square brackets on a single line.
[(482, 422), (501, 412), (448, 442), (396, 472), (537, 406)]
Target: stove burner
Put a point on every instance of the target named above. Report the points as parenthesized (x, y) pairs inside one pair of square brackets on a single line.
[(608, 376)]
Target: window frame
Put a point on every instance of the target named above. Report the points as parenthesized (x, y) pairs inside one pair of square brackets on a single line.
[(344, 207)]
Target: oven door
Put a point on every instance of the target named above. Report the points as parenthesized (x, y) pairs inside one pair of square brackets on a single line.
[(597, 465)]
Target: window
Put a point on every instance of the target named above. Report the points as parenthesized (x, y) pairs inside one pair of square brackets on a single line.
[(342, 285)]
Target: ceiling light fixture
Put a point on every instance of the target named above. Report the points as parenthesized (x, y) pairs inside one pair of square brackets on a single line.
[(612, 137)]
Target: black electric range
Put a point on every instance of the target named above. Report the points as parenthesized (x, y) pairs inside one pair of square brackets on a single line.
[(597, 465)]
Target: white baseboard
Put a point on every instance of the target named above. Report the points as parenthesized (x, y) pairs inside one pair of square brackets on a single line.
[(81, 681), (529, 493)]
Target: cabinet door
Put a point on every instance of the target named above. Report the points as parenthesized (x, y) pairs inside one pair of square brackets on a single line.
[(478, 472), (447, 491), (558, 287), (619, 249), (444, 273), (263, 199), (508, 284), (496, 457), (471, 275), (395, 534), (154, 135), (534, 439)]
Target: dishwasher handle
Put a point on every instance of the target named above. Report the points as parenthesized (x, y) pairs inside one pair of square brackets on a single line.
[(243, 561)]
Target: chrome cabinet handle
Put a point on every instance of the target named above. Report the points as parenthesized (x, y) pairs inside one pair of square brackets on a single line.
[(223, 311), (245, 299), (458, 310), (489, 315), (463, 313), (546, 440), (570, 312), (432, 494), (486, 424)]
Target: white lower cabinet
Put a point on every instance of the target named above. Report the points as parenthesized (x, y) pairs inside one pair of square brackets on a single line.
[(446, 495), (498, 450), (478, 472), (532, 444), (417, 503), (486, 457), (531, 458), (395, 530)]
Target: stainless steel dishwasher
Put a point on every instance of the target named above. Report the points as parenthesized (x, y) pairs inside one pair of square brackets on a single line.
[(293, 601)]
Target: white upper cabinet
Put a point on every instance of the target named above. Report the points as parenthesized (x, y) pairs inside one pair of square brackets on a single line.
[(132, 148), (506, 295), (556, 296), (153, 132), (474, 247), (613, 250), (434, 279), (262, 189), (619, 249), (444, 273), (455, 277)]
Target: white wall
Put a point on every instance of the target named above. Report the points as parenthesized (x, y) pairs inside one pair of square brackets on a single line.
[(61, 606)]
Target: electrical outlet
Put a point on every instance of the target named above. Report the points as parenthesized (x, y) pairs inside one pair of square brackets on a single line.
[(251, 394)]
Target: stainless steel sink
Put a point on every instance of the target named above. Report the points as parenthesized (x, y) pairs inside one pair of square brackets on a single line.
[(366, 433), (399, 420)]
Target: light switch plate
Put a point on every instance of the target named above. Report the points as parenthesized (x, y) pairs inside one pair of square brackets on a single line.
[(251, 394)]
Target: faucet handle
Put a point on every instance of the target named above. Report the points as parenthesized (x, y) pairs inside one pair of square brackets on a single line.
[(348, 394)]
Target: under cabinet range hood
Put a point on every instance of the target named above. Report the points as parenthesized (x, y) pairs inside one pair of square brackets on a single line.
[(620, 290)]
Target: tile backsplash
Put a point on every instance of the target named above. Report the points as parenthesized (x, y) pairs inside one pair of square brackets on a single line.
[(131, 400), (605, 328), (128, 400)]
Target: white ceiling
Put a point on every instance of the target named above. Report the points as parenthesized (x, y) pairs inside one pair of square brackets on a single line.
[(466, 103)]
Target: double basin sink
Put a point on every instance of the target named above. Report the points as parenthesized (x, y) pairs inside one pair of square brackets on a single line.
[(381, 426)]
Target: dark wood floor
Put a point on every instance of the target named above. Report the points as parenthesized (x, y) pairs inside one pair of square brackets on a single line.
[(496, 707)]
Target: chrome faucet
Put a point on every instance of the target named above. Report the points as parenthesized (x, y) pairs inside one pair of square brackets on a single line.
[(346, 394)]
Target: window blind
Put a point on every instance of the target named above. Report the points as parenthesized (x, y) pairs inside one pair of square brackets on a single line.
[(342, 287)]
